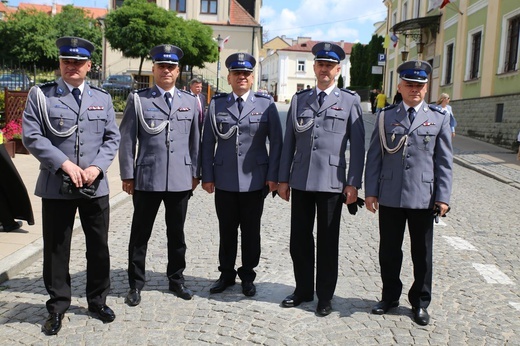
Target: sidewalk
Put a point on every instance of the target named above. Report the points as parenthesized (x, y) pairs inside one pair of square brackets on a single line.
[(20, 248)]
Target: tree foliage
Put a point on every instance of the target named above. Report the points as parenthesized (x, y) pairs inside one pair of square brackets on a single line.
[(29, 36), (139, 25), (362, 59)]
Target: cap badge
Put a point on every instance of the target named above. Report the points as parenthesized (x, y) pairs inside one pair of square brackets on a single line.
[(168, 48), (417, 64), (74, 42), (327, 47), (241, 56)]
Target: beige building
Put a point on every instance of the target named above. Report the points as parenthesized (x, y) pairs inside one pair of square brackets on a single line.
[(474, 48), (285, 71), (236, 20)]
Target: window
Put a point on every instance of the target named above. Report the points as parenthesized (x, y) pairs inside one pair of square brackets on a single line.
[(476, 40), (448, 63), (299, 87), (178, 6), (404, 12), (208, 6), (417, 9), (513, 36), (301, 65)]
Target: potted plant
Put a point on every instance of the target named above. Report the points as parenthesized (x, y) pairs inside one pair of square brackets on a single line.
[(13, 132)]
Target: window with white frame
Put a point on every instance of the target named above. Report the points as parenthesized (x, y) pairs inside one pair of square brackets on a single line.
[(449, 51), (178, 6), (208, 6), (474, 53), (417, 9), (404, 12), (300, 65), (394, 18), (510, 42)]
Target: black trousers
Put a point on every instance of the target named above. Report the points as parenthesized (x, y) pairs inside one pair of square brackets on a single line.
[(146, 205), (392, 222), (236, 209), (327, 207), (58, 221)]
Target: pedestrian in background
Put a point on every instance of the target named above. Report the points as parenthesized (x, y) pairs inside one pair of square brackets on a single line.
[(380, 101), (320, 124), (70, 127), (196, 90), (242, 170), (443, 102), (159, 162), (408, 179)]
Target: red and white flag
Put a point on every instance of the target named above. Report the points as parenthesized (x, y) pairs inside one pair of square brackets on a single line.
[(444, 3), (221, 44)]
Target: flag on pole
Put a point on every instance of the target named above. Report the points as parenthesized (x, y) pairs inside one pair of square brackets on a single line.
[(444, 3), (221, 44), (386, 43), (394, 39)]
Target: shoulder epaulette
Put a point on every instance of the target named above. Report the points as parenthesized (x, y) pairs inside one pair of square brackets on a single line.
[(47, 84), (390, 107), (348, 91), (99, 89), (187, 92), (142, 89), (262, 94), (219, 95), (303, 91), (436, 108)]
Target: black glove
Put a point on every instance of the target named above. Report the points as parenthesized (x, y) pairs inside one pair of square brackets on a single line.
[(437, 212), (68, 188), (353, 207)]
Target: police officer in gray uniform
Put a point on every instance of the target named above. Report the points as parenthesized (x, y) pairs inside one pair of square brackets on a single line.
[(320, 123), (408, 178), (242, 170), (159, 162), (69, 126)]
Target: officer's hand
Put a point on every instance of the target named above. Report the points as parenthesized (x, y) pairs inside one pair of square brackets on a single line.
[(372, 204), (272, 186), (128, 186), (91, 172), (194, 183), (351, 193), (209, 187), (444, 208), (77, 176), (283, 191)]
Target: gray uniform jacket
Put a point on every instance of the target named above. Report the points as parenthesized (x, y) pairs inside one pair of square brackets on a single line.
[(242, 162), (166, 160), (315, 143), (420, 173), (93, 142)]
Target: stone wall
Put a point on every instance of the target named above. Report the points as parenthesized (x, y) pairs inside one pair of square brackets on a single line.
[(476, 118)]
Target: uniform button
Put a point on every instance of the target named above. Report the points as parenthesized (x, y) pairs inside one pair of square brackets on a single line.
[(171, 129), (408, 155), (239, 154), (315, 137), (80, 118), (240, 133), (81, 143), (240, 143), (407, 167), (317, 115), (171, 140), (81, 131), (317, 125), (240, 121), (81, 154), (315, 148)]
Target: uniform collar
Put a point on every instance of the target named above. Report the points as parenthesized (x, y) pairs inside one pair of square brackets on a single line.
[(244, 97), (81, 87), (162, 91), (417, 108), (327, 91)]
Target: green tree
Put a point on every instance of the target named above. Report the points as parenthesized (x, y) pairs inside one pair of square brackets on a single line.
[(28, 38), (139, 25), (375, 47), (340, 81), (362, 58)]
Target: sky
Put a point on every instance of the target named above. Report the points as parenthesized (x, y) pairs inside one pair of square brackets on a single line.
[(321, 20)]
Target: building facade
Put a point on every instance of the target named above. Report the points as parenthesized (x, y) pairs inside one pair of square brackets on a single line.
[(287, 70), (473, 47), (236, 20)]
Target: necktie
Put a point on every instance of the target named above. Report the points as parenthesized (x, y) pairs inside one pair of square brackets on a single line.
[(240, 105), (76, 93), (411, 114), (167, 96), (200, 110), (321, 97)]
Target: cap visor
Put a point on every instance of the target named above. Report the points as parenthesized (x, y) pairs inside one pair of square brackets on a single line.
[(167, 62), (422, 81), (326, 59), (75, 57)]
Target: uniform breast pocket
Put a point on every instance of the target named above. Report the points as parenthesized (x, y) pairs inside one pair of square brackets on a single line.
[(223, 123), (394, 135), (426, 138), (256, 123), (97, 121), (62, 119), (184, 120), (304, 118), (335, 121), (153, 119)]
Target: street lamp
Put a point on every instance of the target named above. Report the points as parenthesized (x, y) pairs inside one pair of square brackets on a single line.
[(101, 21), (219, 42)]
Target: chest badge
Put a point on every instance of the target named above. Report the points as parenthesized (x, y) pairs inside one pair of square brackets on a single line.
[(393, 137)]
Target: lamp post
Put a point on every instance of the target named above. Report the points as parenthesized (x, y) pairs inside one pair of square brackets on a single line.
[(219, 42), (101, 21)]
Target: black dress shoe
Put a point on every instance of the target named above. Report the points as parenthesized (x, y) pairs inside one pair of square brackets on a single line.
[(220, 285), (324, 308), (383, 306), (52, 324), (133, 297), (421, 316), (181, 291), (293, 300), (248, 288), (12, 227), (104, 313)]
